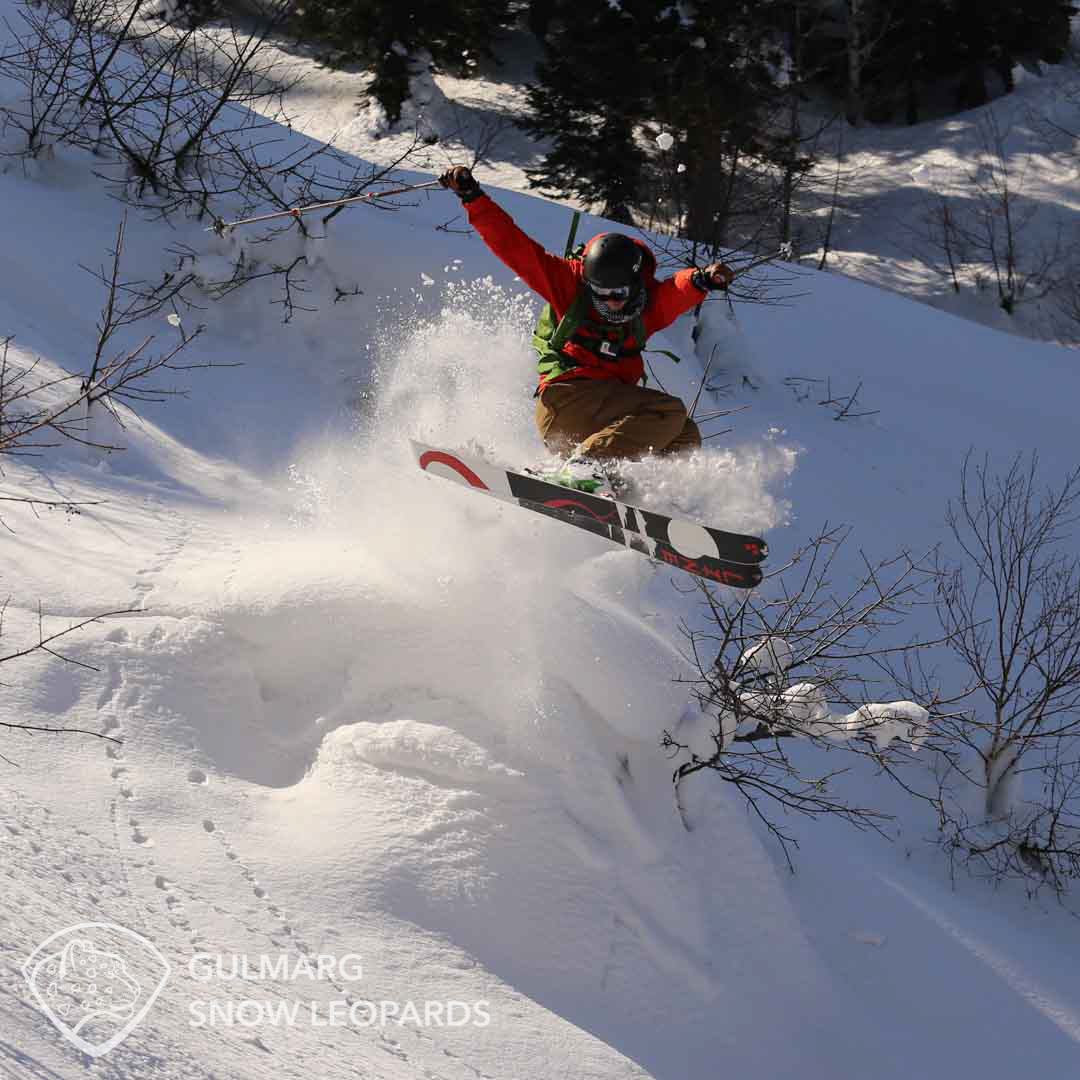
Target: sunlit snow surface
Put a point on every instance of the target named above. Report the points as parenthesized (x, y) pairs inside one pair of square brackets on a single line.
[(364, 712)]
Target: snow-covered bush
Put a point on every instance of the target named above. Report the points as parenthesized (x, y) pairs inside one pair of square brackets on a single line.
[(796, 659)]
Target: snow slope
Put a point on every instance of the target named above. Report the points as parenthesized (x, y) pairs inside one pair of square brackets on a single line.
[(365, 714)]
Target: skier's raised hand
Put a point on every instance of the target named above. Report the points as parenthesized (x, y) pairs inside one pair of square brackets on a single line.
[(461, 182), (717, 276)]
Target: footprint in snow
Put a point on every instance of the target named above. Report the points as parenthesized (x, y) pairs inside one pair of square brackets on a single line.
[(138, 836)]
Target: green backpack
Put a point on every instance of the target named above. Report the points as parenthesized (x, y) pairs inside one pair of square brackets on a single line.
[(549, 337)]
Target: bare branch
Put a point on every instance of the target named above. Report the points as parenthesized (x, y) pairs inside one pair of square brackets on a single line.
[(784, 663)]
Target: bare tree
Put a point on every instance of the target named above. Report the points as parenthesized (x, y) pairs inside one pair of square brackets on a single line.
[(45, 63), (798, 658), (127, 373), (1012, 613), (979, 229), (1063, 141), (173, 114), (1009, 605), (1001, 216), (1068, 297), (43, 407), (478, 129), (866, 24), (799, 157), (938, 237)]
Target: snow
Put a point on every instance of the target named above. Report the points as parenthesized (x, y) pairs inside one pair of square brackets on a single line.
[(770, 656), (365, 713)]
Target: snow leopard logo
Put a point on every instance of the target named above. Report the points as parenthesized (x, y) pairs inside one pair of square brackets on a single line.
[(96, 982), (84, 982)]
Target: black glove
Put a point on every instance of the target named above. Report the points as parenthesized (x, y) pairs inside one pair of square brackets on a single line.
[(462, 183), (714, 276)]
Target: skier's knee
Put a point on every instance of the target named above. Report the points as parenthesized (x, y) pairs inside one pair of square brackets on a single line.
[(688, 439)]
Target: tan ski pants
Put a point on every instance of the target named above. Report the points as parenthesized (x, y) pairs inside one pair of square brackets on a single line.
[(611, 419)]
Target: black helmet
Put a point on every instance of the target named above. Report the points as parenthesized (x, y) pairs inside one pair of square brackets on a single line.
[(612, 268)]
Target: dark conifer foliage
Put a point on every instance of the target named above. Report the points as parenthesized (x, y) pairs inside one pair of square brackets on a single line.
[(390, 36), (194, 13), (720, 95), (730, 82), (595, 86), (965, 50), (614, 73)]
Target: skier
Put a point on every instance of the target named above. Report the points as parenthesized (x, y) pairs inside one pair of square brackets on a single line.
[(600, 310)]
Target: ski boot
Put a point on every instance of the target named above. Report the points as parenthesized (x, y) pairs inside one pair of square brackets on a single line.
[(581, 473)]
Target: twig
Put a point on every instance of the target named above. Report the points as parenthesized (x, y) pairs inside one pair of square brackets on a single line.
[(221, 227)]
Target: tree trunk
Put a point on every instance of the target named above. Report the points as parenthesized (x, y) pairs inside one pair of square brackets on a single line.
[(708, 194), (856, 59), (794, 124), (1000, 783)]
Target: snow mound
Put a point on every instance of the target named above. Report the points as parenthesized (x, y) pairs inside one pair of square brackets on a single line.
[(410, 744)]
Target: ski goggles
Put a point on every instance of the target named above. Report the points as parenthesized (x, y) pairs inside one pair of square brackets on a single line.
[(621, 292)]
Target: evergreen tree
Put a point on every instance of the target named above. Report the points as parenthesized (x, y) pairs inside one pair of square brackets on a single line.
[(614, 71), (1033, 30), (722, 97), (922, 43), (390, 35), (593, 91), (916, 47)]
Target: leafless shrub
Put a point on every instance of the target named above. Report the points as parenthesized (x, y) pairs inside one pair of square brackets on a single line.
[(1002, 213), (797, 659), (192, 114), (940, 243), (1068, 302), (478, 129), (39, 411), (845, 406), (1008, 600), (187, 112), (182, 117), (42, 408), (980, 232)]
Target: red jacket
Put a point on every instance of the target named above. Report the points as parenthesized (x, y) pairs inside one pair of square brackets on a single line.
[(559, 280)]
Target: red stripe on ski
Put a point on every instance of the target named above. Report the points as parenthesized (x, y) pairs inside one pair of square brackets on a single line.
[(563, 504), (437, 457)]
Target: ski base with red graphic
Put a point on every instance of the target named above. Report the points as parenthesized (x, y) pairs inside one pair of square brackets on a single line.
[(714, 554)]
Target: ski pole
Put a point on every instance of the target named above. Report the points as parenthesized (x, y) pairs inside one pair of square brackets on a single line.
[(783, 252), (220, 227), (573, 234)]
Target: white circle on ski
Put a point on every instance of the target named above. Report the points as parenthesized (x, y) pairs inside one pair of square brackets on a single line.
[(691, 540)]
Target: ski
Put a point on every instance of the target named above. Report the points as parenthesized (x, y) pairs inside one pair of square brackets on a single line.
[(714, 554)]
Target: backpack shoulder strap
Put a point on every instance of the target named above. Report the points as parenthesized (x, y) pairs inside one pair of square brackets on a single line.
[(573, 318)]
